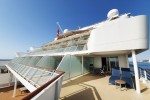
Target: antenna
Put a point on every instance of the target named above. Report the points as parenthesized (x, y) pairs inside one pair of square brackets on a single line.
[(59, 27), (79, 27)]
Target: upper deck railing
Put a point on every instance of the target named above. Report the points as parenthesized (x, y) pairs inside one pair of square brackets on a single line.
[(145, 74)]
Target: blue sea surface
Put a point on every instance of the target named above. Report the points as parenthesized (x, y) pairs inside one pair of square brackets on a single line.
[(144, 65)]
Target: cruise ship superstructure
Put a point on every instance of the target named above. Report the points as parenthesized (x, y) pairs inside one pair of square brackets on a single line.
[(104, 45)]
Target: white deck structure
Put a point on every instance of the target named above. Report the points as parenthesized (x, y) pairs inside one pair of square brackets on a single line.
[(108, 43)]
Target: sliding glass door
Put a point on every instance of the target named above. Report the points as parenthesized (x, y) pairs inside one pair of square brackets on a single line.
[(109, 62)]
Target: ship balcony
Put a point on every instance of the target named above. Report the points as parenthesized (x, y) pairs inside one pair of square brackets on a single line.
[(72, 47), (81, 42), (63, 45)]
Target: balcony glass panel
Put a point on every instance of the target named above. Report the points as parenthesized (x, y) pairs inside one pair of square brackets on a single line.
[(79, 48), (76, 66), (49, 62), (34, 60), (86, 63)]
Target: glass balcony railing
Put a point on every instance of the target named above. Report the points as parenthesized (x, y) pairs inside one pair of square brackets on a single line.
[(62, 50), (145, 74), (34, 75)]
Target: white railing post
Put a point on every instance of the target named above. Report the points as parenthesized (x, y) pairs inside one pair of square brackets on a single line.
[(82, 65), (145, 78), (137, 82), (10, 78), (15, 86), (141, 75)]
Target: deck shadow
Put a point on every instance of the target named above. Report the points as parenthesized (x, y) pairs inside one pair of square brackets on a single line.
[(6, 89), (94, 90), (7, 93), (145, 89), (85, 94), (88, 93), (85, 78)]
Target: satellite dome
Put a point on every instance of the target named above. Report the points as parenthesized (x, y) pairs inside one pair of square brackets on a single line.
[(113, 13), (65, 30), (32, 48)]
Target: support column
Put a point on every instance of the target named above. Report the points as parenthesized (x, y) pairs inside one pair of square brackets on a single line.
[(137, 82), (10, 77), (70, 67), (109, 65), (82, 65), (15, 86)]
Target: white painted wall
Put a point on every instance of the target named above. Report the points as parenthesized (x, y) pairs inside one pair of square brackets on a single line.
[(120, 34), (3, 63), (123, 61), (51, 92), (97, 62)]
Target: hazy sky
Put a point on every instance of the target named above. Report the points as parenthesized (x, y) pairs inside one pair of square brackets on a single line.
[(26, 23)]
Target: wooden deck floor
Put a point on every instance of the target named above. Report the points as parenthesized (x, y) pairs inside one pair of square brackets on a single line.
[(90, 87), (6, 94)]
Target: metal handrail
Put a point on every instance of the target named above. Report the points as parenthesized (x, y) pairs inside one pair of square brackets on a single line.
[(146, 74)]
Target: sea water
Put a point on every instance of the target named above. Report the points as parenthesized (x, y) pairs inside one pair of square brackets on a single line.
[(3, 63), (144, 65)]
